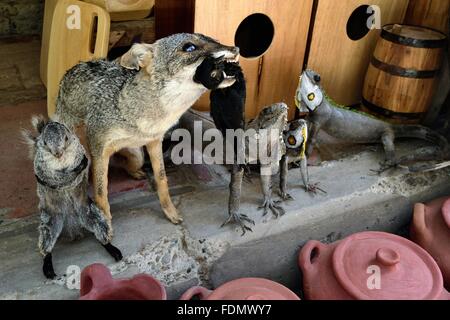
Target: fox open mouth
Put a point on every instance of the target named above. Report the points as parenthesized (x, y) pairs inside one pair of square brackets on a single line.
[(226, 56), (232, 60), (218, 71)]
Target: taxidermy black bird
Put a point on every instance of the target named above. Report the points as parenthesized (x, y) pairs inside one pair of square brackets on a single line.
[(227, 111)]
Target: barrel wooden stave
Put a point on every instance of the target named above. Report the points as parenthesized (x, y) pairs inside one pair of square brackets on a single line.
[(398, 94), (408, 57), (401, 79)]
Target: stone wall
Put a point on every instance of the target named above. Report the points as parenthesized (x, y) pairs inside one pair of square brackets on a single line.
[(21, 17)]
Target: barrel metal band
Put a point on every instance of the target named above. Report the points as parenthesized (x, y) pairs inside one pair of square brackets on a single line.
[(411, 42), (402, 72), (390, 114)]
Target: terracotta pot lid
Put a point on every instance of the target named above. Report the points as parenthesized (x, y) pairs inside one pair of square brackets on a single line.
[(446, 212), (407, 271), (252, 289)]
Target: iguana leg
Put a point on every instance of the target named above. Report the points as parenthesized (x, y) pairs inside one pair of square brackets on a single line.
[(304, 172), (314, 131), (283, 179), (387, 139), (311, 188), (269, 204), (234, 202)]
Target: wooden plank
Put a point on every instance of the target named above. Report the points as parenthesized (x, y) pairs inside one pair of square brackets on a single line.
[(48, 17), (429, 13), (173, 16), (123, 10), (67, 47), (272, 77), (343, 62), (125, 33)]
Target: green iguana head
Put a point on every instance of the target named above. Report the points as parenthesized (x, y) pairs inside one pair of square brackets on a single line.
[(309, 93)]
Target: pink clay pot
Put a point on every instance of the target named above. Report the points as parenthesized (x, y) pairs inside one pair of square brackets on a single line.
[(98, 284), (431, 230), (346, 270), (243, 289)]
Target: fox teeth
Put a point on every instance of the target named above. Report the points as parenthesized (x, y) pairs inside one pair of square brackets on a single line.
[(233, 60), (227, 76)]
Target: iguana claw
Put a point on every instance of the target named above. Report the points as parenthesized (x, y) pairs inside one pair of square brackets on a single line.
[(239, 219), (313, 188), (285, 196), (385, 166), (276, 210)]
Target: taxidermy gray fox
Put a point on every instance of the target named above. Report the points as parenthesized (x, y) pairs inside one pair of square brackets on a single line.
[(133, 104), (61, 169)]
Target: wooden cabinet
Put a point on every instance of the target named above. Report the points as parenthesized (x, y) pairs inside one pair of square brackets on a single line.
[(342, 61), (271, 34)]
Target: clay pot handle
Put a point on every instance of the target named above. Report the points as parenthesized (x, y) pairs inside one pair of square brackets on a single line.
[(309, 254), (419, 226), (446, 213), (94, 276), (201, 292), (388, 257)]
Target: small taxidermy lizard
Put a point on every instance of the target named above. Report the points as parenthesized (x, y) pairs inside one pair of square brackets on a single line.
[(227, 111), (296, 139), (61, 169), (355, 126)]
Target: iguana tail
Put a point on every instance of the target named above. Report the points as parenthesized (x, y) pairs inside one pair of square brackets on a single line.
[(423, 159), (423, 133), (426, 167)]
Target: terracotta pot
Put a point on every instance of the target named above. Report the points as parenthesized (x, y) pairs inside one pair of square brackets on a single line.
[(243, 289), (370, 266), (431, 230), (98, 284)]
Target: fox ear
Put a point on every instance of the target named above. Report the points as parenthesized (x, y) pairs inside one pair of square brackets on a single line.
[(139, 56), (38, 123)]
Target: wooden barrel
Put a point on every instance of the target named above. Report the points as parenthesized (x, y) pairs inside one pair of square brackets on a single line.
[(402, 76)]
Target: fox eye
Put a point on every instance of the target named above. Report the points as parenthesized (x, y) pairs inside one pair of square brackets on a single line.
[(317, 78), (189, 47)]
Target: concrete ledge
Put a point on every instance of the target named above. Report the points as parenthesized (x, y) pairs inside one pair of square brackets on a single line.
[(199, 251)]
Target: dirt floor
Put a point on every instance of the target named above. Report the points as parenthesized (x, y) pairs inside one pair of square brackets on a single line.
[(19, 71)]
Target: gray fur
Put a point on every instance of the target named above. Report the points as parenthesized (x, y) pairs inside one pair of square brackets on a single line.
[(132, 104), (65, 210)]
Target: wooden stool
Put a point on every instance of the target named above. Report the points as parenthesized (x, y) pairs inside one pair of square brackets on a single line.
[(68, 43)]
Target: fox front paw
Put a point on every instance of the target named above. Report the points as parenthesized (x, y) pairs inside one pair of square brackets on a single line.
[(172, 214)]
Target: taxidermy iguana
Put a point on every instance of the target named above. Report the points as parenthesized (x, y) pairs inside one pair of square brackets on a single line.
[(227, 111), (295, 139), (351, 125)]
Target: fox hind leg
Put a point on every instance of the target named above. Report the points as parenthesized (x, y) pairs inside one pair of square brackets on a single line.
[(133, 161)]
